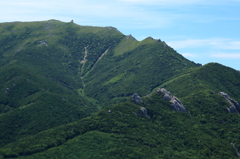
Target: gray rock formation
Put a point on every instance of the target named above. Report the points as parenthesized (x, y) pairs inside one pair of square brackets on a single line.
[(234, 105), (143, 111), (7, 90), (43, 43), (46, 28), (136, 98), (176, 103)]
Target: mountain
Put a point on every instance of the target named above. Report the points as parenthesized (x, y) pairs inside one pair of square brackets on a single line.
[(67, 92)]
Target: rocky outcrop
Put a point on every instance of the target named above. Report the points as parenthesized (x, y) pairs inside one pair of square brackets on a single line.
[(143, 111), (176, 103), (234, 105), (7, 90), (43, 43), (136, 98)]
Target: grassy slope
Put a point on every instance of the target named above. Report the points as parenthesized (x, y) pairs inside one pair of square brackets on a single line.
[(144, 66), (212, 76), (55, 49), (40, 63), (63, 48)]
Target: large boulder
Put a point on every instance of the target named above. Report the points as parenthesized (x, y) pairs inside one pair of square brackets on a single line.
[(143, 111), (176, 103), (234, 105), (136, 98), (7, 90)]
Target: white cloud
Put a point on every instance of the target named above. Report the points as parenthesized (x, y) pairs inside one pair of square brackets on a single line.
[(174, 2), (117, 13), (216, 43), (188, 43), (162, 2), (226, 55), (232, 45), (189, 55)]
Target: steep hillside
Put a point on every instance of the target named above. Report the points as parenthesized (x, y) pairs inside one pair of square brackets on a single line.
[(55, 49), (124, 131), (140, 69), (30, 103), (53, 73), (41, 68), (99, 62), (212, 76)]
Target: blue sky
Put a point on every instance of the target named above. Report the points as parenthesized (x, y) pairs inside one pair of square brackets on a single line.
[(201, 30)]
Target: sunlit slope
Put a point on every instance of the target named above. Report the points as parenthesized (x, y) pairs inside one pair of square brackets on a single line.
[(98, 62), (54, 48), (140, 69), (212, 76)]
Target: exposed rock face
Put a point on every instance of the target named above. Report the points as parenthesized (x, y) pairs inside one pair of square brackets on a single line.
[(176, 103), (143, 111), (136, 98), (234, 105), (7, 90), (43, 43)]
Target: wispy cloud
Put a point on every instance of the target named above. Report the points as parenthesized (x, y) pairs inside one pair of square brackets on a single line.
[(187, 55), (120, 13), (94, 12), (226, 55), (217, 43), (232, 45), (166, 2)]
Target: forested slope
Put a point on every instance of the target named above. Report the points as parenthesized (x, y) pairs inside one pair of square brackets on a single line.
[(123, 132)]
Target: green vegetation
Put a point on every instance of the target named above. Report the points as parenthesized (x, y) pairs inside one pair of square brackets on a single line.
[(124, 133), (35, 103), (129, 43), (144, 68), (212, 76), (66, 93)]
